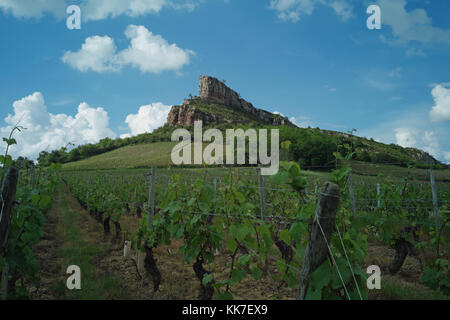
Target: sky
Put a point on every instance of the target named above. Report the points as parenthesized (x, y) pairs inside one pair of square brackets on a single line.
[(314, 61)]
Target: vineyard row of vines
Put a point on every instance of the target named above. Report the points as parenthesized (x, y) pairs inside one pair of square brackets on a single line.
[(265, 229)]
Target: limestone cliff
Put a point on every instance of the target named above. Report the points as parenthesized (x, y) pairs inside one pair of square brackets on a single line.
[(218, 103)]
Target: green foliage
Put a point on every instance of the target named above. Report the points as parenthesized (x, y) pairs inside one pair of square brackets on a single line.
[(27, 221), (231, 225)]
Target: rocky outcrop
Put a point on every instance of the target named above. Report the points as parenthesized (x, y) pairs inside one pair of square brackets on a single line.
[(187, 114), (213, 91), (422, 156)]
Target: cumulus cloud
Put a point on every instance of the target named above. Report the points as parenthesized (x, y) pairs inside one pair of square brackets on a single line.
[(292, 10), (426, 140), (440, 112), (102, 9), (94, 9), (406, 137), (148, 118), (302, 122), (152, 53), (342, 9), (447, 156), (278, 113), (35, 8), (147, 52), (411, 129), (47, 131), (409, 26), (97, 54)]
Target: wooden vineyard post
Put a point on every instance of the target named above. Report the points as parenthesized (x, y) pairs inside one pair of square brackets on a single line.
[(151, 197), (8, 195), (149, 261), (262, 194), (378, 196), (435, 199), (324, 221), (352, 194)]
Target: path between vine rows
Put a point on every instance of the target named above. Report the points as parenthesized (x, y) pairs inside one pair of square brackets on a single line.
[(106, 260), (72, 236)]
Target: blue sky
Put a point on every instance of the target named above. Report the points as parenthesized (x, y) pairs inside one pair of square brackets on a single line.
[(314, 61)]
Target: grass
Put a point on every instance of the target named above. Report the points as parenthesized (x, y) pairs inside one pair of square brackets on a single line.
[(394, 289), (372, 170), (135, 156), (81, 249)]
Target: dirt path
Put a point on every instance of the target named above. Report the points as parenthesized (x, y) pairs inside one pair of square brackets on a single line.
[(71, 238), (47, 254)]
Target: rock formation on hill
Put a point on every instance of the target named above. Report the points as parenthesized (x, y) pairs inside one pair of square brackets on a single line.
[(218, 103)]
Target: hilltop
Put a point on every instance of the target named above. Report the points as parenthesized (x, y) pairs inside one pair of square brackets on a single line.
[(217, 103)]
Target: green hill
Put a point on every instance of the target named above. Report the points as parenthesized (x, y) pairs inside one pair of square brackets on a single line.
[(218, 106)]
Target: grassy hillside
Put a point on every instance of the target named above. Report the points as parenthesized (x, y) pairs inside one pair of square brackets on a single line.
[(135, 156), (158, 154)]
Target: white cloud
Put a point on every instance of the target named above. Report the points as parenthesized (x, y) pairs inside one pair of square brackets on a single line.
[(292, 10), (447, 156), (431, 143), (396, 73), (302, 122), (408, 26), (94, 9), (97, 54), (147, 52), (440, 112), (278, 113), (148, 118), (47, 131), (35, 8), (425, 140), (152, 53), (411, 129), (342, 9), (405, 137), (103, 9)]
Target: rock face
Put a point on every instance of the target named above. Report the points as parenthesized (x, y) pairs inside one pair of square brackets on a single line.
[(213, 91), (186, 115)]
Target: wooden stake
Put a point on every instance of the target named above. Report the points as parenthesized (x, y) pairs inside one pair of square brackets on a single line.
[(317, 250), (8, 195), (435, 199), (151, 197), (262, 194), (352, 194), (378, 196)]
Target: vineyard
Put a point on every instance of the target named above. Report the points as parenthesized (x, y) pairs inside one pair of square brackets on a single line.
[(25, 201), (295, 235)]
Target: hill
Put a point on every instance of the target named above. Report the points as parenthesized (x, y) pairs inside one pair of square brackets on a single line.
[(220, 107)]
